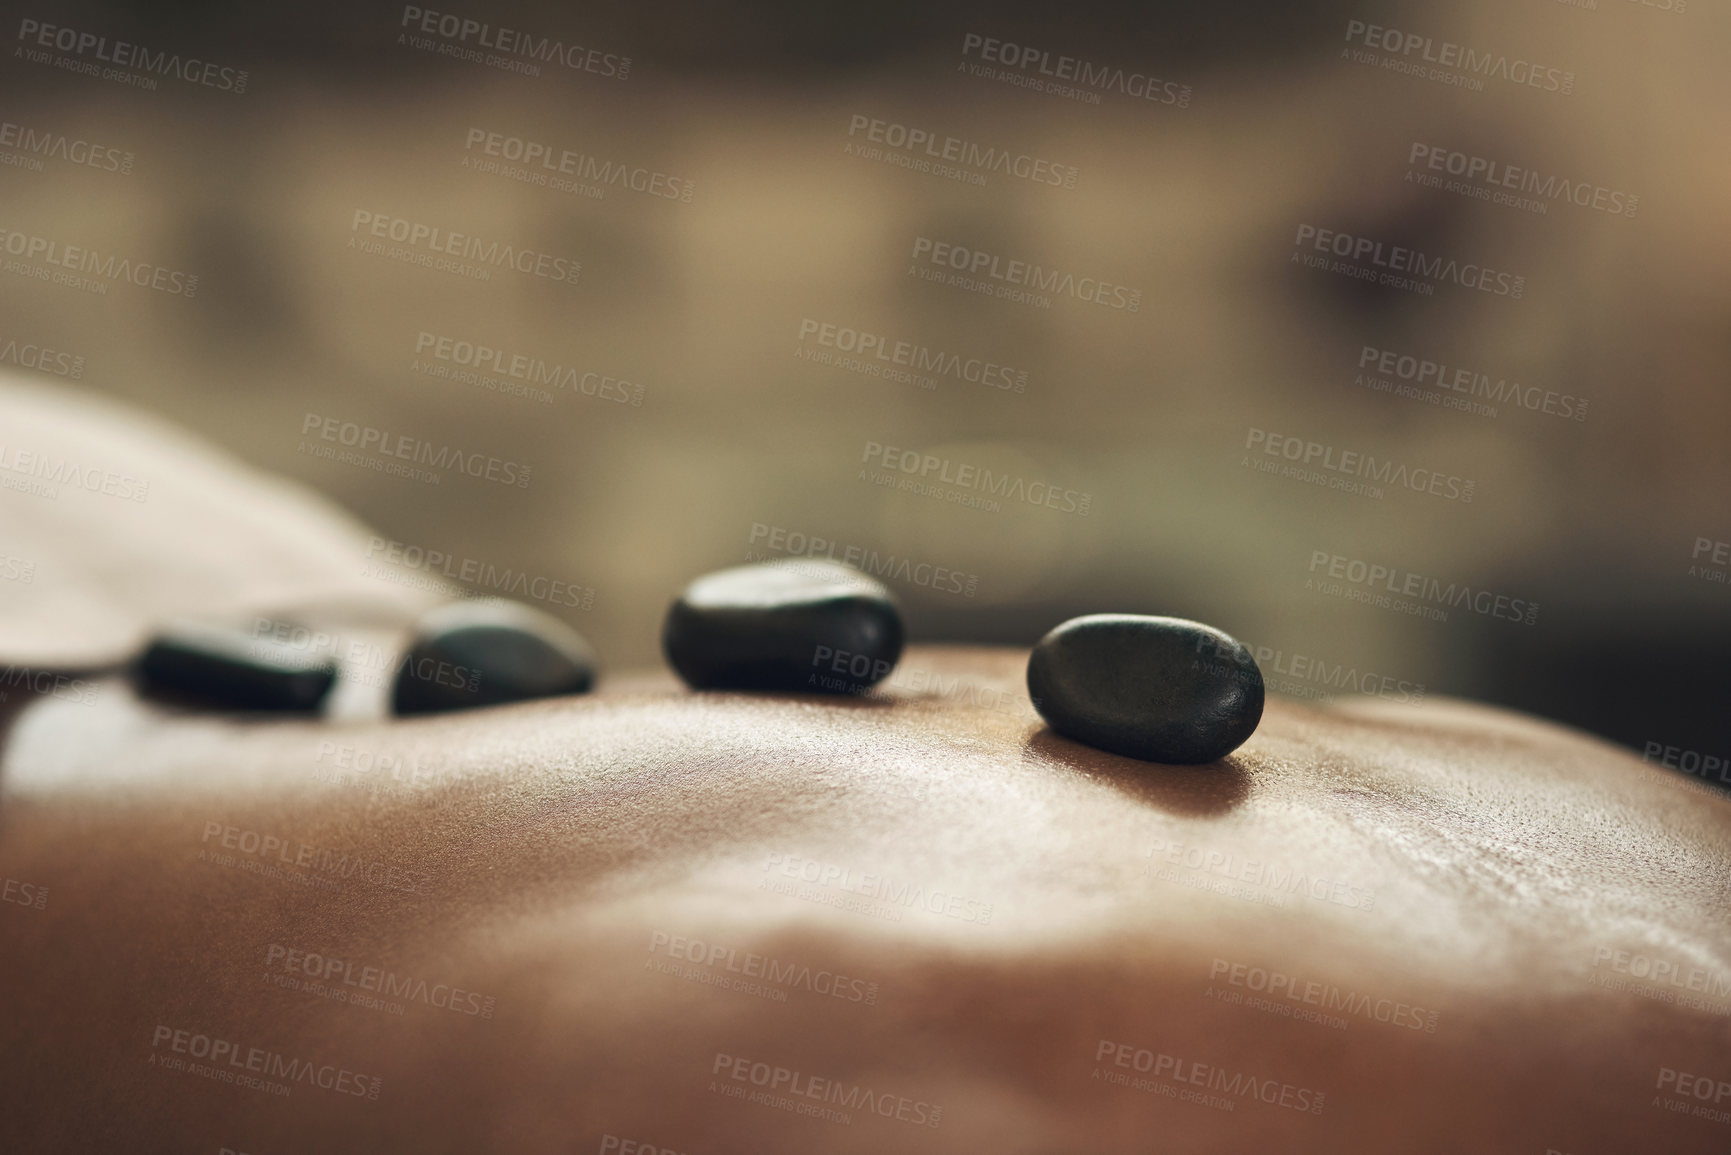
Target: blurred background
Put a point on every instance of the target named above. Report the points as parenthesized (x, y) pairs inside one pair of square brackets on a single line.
[(739, 190)]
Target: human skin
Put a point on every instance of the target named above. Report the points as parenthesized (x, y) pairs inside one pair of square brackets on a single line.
[(1471, 873)]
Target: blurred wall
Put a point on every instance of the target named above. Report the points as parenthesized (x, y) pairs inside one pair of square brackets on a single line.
[(1390, 337)]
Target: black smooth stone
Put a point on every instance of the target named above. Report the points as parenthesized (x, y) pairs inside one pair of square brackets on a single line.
[(486, 652), (1159, 689), (810, 625), (218, 666)]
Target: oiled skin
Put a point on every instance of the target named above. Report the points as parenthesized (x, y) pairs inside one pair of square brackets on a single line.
[(558, 838)]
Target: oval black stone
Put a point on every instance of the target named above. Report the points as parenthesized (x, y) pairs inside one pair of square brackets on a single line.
[(1159, 689), (212, 665), (810, 625), (486, 652)]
